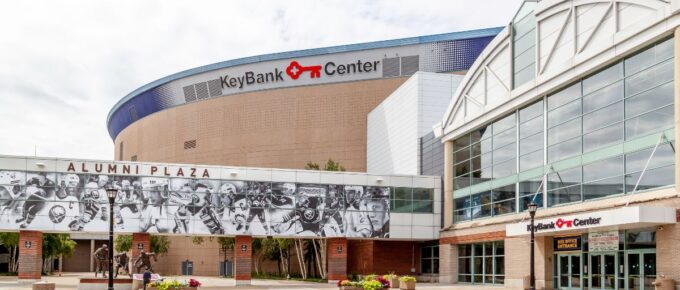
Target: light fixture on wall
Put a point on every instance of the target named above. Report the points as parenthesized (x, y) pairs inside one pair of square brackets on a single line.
[(379, 180), (233, 173), (40, 164)]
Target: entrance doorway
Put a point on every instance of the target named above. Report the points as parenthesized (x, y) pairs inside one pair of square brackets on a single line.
[(641, 270), (604, 271), (569, 271)]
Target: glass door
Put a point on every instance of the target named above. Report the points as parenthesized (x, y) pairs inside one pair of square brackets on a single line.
[(603, 271), (569, 271), (641, 270)]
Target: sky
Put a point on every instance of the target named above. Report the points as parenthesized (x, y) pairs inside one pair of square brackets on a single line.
[(64, 64)]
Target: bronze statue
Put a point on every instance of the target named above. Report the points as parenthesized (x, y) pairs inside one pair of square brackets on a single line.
[(122, 260), (145, 262), (101, 257)]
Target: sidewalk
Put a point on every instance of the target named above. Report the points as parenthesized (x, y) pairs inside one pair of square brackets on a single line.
[(69, 281)]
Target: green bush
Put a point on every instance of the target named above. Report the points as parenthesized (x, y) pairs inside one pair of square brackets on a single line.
[(372, 285), (407, 279)]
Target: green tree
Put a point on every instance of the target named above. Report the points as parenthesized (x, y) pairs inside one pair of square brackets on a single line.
[(56, 245), (329, 166), (197, 240), (283, 247), (160, 245), (122, 243), (11, 242)]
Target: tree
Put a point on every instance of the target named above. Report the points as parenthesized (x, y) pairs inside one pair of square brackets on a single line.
[(122, 243), (11, 242), (283, 246), (56, 245), (197, 240), (329, 166), (300, 253), (160, 245)]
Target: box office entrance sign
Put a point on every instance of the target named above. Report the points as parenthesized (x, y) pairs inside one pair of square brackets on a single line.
[(567, 243)]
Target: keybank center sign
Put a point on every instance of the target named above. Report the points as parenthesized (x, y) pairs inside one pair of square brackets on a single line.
[(619, 218), (296, 71)]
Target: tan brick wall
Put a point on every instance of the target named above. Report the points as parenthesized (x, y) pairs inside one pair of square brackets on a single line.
[(448, 263), (282, 128)]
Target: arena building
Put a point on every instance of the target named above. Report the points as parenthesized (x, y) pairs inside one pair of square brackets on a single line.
[(573, 106), (281, 110), (251, 124)]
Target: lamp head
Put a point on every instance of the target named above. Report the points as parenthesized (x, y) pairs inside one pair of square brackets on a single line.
[(111, 193), (532, 207)]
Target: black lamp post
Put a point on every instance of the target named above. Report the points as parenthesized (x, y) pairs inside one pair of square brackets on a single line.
[(111, 193), (532, 279)]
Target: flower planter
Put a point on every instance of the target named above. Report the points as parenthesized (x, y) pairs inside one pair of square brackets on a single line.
[(410, 285), (394, 282), (350, 288), (181, 288)]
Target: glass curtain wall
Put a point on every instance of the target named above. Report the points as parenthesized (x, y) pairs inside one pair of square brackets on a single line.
[(591, 139), (482, 263)]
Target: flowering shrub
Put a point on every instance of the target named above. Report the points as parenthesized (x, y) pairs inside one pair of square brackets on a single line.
[(372, 285), (172, 284), (194, 283), (407, 279), (383, 281), (344, 283), (390, 276), (370, 277)]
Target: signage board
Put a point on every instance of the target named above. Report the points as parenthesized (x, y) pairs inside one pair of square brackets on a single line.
[(567, 243), (603, 241)]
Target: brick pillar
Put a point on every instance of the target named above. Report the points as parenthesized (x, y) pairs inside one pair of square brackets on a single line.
[(139, 239), (30, 255), (336, 252), (243, 260)]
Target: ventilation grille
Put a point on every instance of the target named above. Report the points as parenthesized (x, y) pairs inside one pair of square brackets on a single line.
[(191, 144), (409, 65), (391, 67), (133, 158), (133, 113), (202, 90)]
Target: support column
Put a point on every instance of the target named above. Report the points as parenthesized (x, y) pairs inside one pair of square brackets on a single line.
[(243, 261), (140, 241), (336, 252), (448, 184), (30, 255), (448, 263), (676, 88)]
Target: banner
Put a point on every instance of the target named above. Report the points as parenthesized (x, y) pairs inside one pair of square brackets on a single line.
[(568, 243), (77, 202), (603, 241)]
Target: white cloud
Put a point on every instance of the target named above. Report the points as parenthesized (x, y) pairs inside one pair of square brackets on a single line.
[(64, 64)]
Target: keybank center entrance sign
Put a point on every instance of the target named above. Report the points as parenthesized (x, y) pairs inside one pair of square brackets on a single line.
[(618, 219), (69, 195)]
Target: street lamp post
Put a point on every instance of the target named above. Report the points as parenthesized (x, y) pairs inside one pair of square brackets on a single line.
[(111, 194), (532, 278)]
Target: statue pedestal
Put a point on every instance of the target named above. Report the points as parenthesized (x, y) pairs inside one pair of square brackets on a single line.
[(103, 284)]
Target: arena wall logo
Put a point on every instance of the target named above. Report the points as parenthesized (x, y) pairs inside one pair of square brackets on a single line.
[(295, 70)]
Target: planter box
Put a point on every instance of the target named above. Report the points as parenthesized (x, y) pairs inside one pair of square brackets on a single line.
[(181, 288), (394, 282), (350, 288), (411, 285)]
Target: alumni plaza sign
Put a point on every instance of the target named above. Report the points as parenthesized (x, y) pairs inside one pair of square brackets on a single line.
[(618, 218)]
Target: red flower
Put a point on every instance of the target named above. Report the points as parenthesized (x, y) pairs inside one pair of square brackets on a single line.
[(194, 283)]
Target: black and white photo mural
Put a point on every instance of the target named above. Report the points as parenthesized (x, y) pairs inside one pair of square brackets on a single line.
[(77, 202)]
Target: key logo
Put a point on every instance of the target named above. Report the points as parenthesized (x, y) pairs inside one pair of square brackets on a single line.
[(294, 70)]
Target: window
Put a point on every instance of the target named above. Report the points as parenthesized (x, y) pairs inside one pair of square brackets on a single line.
[(412, 200), (429, 259), (482, 263), (624, 107)]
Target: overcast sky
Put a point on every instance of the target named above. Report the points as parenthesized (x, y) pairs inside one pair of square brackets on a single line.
[(64, 64)]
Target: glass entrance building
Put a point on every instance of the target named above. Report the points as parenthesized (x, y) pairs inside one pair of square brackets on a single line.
[(572, 107)]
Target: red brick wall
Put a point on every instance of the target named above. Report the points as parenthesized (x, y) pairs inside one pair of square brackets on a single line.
[(243, 259), (30, 259), (483, 237), (396, 256), (337, 258), (382, 257), (360, 258)]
